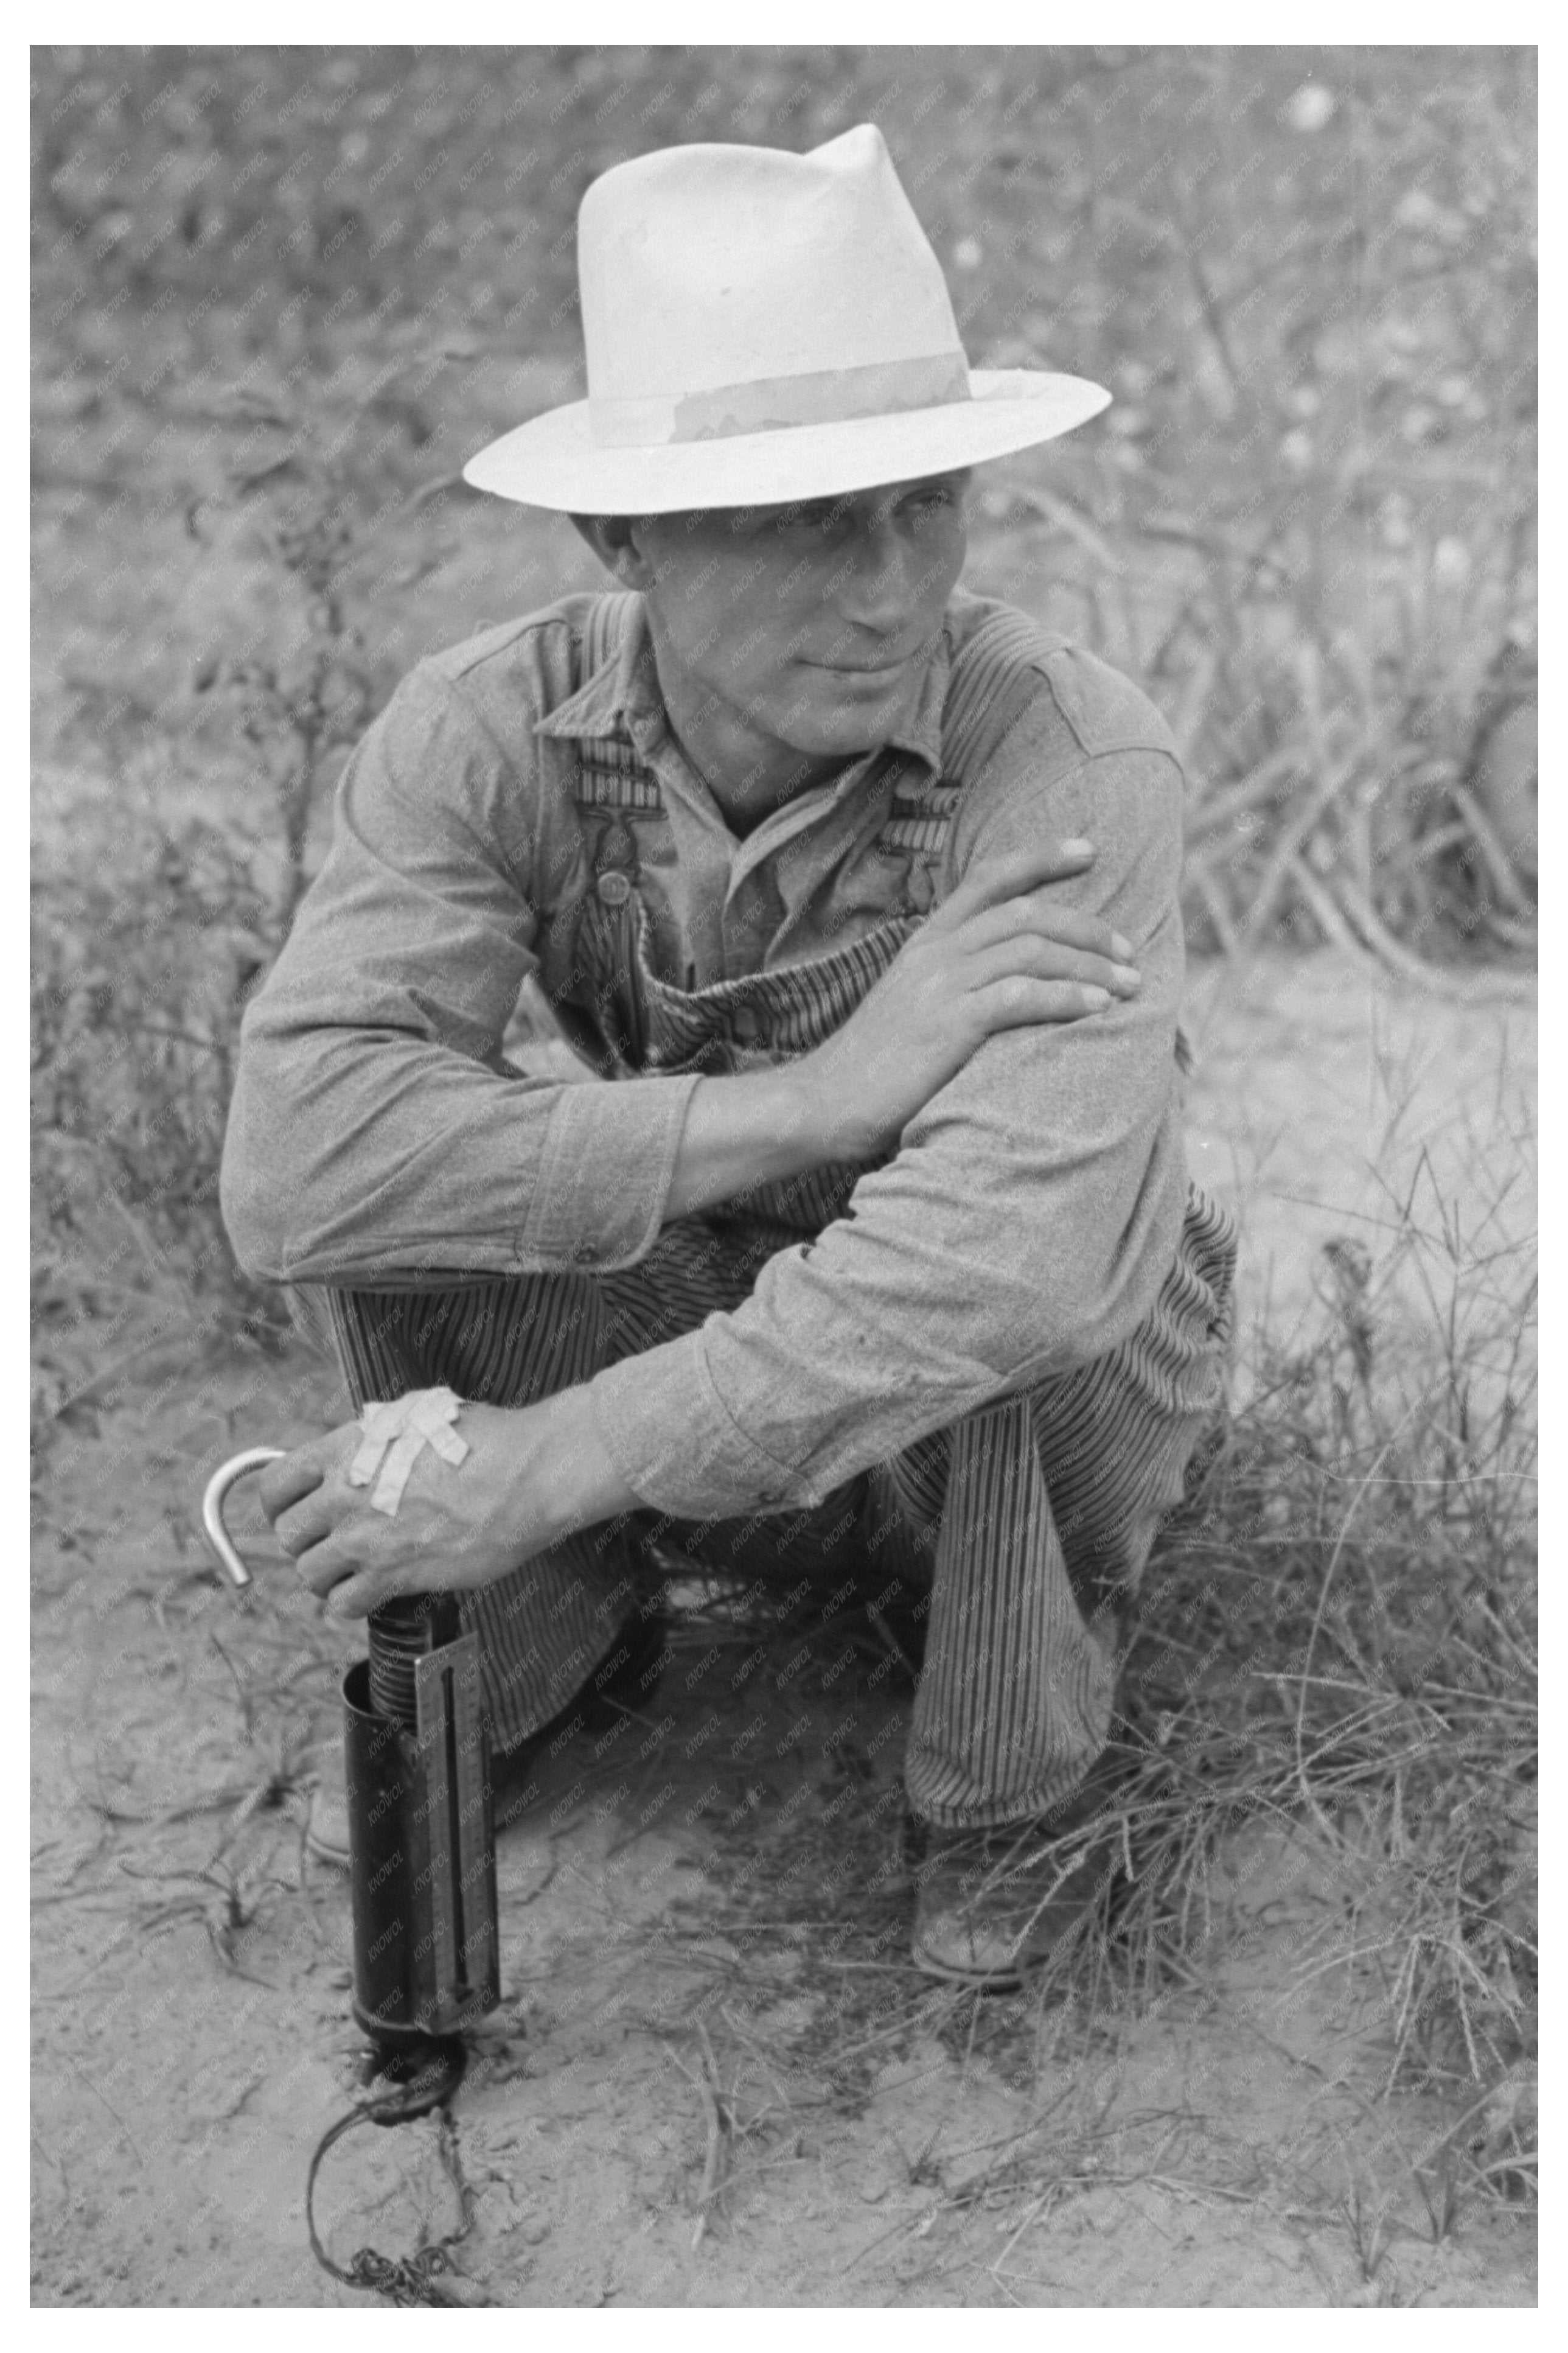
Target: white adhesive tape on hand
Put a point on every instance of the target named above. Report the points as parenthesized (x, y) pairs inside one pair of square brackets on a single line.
[(396, 1435)]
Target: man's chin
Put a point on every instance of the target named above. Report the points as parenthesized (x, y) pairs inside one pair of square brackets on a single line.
[(844, 713)]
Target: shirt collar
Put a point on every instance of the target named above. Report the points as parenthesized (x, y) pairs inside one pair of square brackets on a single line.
[(621, 699)]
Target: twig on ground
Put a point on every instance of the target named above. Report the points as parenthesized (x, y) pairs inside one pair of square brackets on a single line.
[(707, 2084)]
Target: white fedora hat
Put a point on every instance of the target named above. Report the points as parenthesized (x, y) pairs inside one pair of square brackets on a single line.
[(762, 327)]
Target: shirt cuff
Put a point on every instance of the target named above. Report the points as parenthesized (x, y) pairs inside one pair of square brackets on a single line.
[(604, 1174), (667, 1430)]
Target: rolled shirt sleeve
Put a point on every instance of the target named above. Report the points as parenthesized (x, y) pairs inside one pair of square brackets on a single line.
[(1022, 1229), (375, 1133)]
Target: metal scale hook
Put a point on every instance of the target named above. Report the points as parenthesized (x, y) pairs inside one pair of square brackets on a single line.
[(217, 1495)]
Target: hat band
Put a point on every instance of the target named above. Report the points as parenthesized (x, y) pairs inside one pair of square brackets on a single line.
[(775, 404)]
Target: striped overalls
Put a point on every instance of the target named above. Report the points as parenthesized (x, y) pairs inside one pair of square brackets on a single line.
[(1028, 1522)]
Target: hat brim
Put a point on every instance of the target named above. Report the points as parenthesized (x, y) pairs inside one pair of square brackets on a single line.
[(554, 461)]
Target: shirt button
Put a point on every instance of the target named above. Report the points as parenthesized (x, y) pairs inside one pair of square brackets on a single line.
[(613, 888), (584, 1253)]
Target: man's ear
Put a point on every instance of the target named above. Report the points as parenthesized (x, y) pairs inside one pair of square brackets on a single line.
[(615, 540)]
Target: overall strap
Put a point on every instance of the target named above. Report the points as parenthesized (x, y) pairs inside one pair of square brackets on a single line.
[(994, 678), (609, 619), (609, 774), (992, 681)]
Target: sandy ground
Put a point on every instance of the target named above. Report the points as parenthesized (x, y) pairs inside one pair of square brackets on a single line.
[(713, 2078), (1332, 1103)]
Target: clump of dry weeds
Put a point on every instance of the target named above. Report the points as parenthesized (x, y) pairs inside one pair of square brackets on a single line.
[(1339, 1651)]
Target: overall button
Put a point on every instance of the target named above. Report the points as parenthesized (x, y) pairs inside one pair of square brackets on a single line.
[(613, 889), (745, 1025)]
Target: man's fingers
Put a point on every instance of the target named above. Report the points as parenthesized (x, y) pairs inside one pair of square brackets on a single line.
[(338, 1576), (356, 1597), (304, 1524), (1072, 926), (1019, 1000), (325, 1565), (1013, 877), (288, 1481), (347, 1556), (1042, 959), (357, 1594)]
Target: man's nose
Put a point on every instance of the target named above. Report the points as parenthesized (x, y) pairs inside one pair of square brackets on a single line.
[(881, 582)]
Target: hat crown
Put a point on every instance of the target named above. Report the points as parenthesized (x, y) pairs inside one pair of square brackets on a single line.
[(708, 267), (762, 327)]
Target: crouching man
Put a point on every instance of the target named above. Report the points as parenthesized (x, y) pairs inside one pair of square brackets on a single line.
[(858, 896)]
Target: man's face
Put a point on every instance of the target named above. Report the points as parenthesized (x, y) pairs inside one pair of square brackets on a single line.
[(810, 623)]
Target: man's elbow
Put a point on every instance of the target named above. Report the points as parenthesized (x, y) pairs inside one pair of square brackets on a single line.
[(269, 1180), (253, 1197), (1097, 1291)]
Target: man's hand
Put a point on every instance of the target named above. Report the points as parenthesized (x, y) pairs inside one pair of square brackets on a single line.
[(995, 955), (530, 1477), (998, 954)]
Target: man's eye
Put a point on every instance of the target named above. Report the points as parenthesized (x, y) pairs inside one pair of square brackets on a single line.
[(804, 519), (922, 506)]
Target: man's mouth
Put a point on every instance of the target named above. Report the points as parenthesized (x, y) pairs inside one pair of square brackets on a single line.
[(865, 670)]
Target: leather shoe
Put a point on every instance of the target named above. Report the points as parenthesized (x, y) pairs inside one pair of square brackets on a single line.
[(992, 1903)]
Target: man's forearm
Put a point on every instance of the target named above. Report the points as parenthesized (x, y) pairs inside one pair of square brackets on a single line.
[(565, 1468), (759, 1128)]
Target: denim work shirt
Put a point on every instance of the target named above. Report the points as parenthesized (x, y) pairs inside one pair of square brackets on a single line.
[(379, 1138)]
